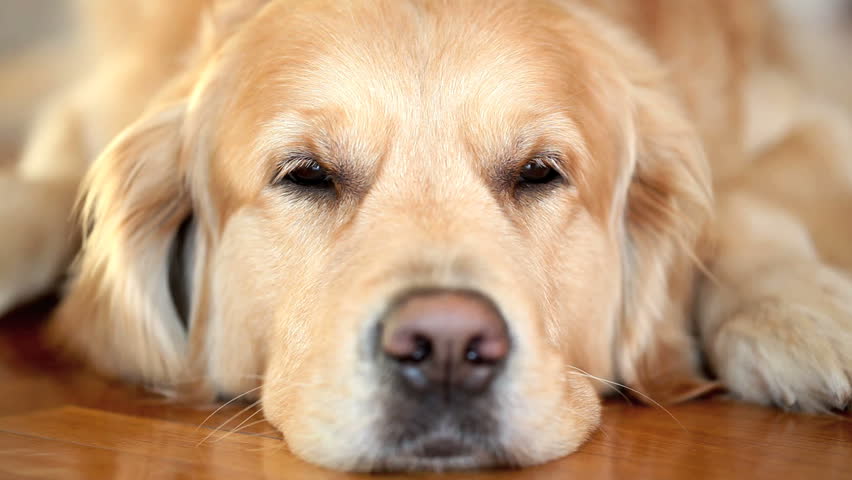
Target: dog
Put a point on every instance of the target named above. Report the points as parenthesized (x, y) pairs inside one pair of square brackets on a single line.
[(431, 234)]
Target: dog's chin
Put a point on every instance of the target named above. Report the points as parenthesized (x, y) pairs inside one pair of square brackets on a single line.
[(439, 453)]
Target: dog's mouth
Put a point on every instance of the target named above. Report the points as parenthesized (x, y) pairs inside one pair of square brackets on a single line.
[(443, 447), (441, 452)]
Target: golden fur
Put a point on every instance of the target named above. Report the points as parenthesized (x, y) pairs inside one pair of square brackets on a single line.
[(707, 193)]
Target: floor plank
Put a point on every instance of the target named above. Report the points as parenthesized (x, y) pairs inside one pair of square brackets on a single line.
[(110, 434), (23, 456), (59, 421)]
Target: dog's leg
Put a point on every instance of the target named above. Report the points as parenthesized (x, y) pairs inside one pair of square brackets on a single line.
[(37, 233), (776, 320)]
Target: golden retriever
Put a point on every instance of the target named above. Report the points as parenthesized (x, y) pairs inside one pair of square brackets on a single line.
[(428, 234)]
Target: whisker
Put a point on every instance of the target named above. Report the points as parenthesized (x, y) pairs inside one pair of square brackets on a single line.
[(215, 430), (228, 403), (618, 391), (264, 433), (240, 426), (654, 402)]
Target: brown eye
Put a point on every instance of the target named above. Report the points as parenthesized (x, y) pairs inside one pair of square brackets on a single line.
[(537, 172), (311, 175)]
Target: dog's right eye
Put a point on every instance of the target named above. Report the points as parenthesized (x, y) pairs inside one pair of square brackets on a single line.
[(311, 174)]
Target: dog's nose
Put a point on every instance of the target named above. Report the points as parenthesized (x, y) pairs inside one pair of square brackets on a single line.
[(445, 341)]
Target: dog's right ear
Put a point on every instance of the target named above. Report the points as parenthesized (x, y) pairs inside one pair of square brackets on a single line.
[(118, 312)]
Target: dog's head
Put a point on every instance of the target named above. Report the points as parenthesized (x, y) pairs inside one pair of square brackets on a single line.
[(423, 229)]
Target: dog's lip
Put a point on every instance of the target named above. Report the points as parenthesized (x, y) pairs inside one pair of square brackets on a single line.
[(442, 447), (438, 453)]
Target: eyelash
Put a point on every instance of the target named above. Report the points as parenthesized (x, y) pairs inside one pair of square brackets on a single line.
[(515, 181), (546, 159), (291, 164)]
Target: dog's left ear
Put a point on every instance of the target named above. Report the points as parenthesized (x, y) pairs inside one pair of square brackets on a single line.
[(118, 312), (669, 202)]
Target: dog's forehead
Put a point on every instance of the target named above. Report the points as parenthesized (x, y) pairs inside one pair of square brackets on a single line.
[(399, 65)]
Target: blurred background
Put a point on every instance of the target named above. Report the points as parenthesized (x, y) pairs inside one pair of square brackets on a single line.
[(24, 21), (31, 31)]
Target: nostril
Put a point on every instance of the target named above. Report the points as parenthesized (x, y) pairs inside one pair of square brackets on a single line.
[(472, 353), (472, 356), (443, 340), (405, 345), (486, 349), (422, 349)]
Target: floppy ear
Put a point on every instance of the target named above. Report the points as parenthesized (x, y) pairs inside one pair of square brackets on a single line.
[(668, 203), (118, 312)]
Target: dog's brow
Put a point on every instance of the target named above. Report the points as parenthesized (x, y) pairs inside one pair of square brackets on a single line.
[(555, 136), (291, 138)]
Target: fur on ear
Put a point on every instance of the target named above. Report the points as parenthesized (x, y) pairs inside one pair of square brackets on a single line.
[(118, 312), (663, 200), (669, 201)]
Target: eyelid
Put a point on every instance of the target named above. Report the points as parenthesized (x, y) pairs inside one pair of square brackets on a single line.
[(549, 158), (292, 162)]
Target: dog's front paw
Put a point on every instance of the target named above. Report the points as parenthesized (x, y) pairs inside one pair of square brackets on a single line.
[(36, 242), (793, 353)]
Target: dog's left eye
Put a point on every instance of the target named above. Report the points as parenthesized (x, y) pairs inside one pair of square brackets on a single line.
[(537, 172), (311, 175)]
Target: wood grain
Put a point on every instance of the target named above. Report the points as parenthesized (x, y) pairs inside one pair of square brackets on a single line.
[(62, 422)]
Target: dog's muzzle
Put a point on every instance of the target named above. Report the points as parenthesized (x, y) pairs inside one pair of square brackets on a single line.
[(440, 353)]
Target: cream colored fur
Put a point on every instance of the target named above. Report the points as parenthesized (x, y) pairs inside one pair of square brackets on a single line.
[(705, 210)]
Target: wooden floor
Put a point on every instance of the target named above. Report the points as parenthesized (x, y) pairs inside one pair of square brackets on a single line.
[(58, 422)]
